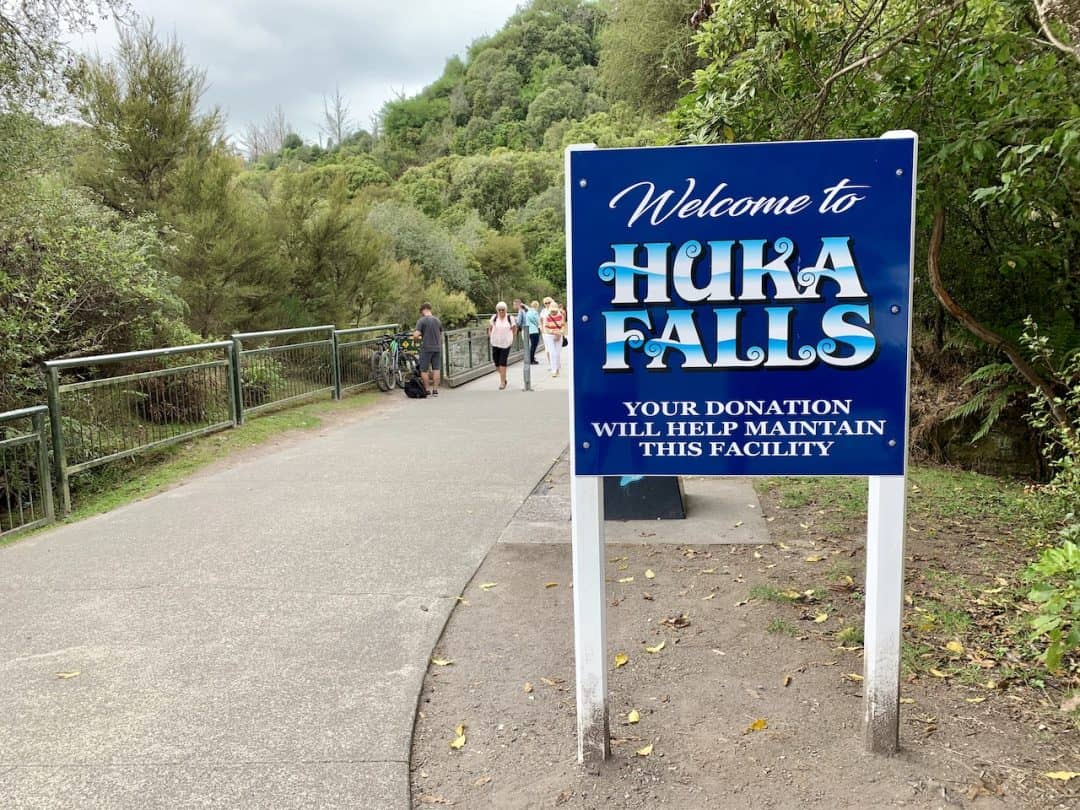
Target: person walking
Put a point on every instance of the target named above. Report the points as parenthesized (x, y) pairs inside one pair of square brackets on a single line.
[(429, 332), (501, 331), (532, 324), (553, 323)]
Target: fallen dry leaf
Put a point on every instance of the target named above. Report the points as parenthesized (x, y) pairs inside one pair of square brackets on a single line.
[(814, 558), (854, 677), (758, 725), (975, 699), (644, 752), (527, 688), (710, 596), (67, 676), (441, 662), (821, 617), (625, 579), (649, 574), (678, 622), (955, 647), (738, 523), (655, 649), (787, 680), (552, 682), (1063, 776), (633, 717), (487, 586), (621, 659), (907, 700), (937, 673), (551, 584), (483, 780), (459, 740)]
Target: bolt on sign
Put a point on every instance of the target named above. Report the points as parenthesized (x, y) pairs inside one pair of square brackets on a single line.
[(742, 309)]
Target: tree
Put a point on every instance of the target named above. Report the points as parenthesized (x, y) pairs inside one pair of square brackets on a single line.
[(34, 60), (76, 279), (267, 138), (647, 54), (224, 251), (337, 264), (994, 103), (337, 125), (144, 111), (502, 268), (427, 245)]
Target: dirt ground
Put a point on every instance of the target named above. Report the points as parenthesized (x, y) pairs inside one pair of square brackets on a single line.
[(755, 698)]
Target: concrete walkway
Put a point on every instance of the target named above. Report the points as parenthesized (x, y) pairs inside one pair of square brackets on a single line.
[(257, 638)]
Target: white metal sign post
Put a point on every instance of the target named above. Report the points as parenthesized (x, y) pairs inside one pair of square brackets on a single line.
[(729, 302), (589, 561)]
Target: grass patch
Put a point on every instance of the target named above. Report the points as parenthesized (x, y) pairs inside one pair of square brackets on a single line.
[(844, 495), (767, 593), (122, 482), (850, 636), (781, 626)]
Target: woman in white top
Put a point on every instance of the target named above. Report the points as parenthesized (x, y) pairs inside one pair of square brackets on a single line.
[(501, 331), (553, 327)]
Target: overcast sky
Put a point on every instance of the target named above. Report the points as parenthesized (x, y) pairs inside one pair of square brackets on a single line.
[(260, 53)]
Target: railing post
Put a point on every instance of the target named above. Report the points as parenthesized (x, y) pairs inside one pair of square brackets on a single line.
[(52, 378), (446, 356), (468, 334), (238, 379), (44, 469), (234, 389), (335, 364)]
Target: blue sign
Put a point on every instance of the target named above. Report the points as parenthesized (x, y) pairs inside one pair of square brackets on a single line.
[(741, 309)]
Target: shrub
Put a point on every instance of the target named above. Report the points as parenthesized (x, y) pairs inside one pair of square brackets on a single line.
[(1056, 574), (258, 382), (1057, 593), (173, 399)]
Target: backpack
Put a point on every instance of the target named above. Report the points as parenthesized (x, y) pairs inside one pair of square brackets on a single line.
[(414, 388)]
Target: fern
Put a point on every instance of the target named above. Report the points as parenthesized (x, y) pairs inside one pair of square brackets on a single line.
[(989, 402)]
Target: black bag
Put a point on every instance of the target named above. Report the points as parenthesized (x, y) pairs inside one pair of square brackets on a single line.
[(565, 342), (414, 388)]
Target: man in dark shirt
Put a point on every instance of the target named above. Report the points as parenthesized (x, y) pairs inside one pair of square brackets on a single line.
[(429, 332)]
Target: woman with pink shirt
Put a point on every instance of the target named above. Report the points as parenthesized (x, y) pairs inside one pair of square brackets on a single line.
[(501, 331)]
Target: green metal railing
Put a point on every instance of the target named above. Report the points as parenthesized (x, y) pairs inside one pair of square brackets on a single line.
[(467, 353), (283, 365), (354, 350), (160, 397), (26, 498), (113, 406)]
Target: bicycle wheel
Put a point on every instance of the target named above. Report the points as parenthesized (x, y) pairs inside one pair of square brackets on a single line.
[(380, 369), (406, 366)]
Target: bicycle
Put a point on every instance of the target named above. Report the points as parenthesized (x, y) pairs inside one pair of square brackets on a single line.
[(393, 362)]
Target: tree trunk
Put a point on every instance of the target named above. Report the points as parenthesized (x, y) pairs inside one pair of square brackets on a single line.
[(984, 333)]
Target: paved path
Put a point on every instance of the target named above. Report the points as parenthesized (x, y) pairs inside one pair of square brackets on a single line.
[(257, 638)]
